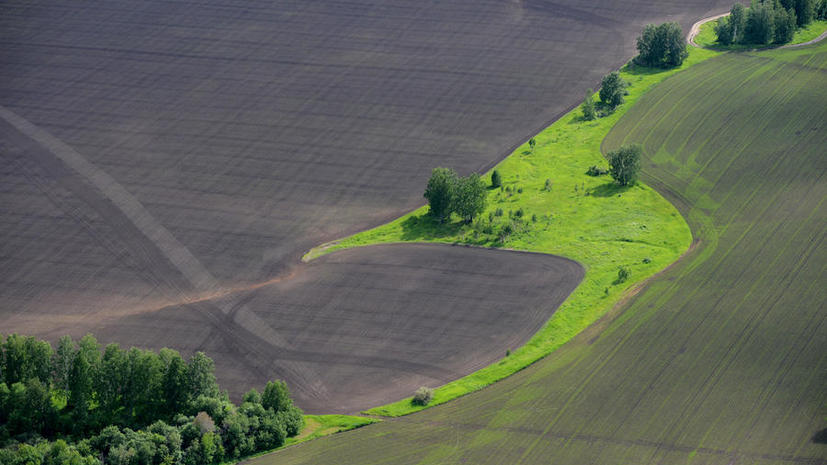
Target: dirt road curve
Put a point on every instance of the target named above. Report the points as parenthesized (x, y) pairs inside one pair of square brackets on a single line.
[(696, 28)]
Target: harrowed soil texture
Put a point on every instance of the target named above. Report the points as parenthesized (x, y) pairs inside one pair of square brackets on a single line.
[(164, 153)]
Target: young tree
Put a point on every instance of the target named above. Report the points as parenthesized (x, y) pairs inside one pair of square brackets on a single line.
[(440, 192), (201, 373), (624, 164), (470, 197), (532, 143), (737, 21), (723, 32), (588, 106), (496, 179), (612, 90)]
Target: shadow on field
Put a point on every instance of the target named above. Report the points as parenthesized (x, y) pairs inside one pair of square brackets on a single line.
[(820, 437), (609, 189)]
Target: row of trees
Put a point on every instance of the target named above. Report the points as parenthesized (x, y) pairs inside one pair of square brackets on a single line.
[(448, 193), (78, 405), (767, 21)]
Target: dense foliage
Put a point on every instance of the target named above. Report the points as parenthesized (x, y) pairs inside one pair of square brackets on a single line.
[(766, 21), (661, 46), (612, 90), (78, 405), (624, 164), (448, 193)]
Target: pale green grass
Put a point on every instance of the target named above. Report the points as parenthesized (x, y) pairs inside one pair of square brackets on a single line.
[(587, 219)]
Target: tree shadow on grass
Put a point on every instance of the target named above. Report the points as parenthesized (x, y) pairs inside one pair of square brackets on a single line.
[(820, 437), (609, 189), (424, 227)]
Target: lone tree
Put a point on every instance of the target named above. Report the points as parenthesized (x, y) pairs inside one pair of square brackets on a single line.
[(612, 90), (661, 46), (624, 164), (469, 197), (440, 192), (588, 106), (496, 179)]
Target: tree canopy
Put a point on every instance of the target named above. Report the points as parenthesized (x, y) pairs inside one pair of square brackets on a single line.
[(624, 164), (447, 193), (612, 90), (661, 46)]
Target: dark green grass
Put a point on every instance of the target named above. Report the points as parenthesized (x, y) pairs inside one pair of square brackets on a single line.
[(721, 360)]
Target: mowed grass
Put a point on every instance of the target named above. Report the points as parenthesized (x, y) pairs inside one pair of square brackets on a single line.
[(706, 36), (587, 219), (722, 358)]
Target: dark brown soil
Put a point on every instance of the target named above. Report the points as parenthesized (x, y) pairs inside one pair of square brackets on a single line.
[(161, 152)]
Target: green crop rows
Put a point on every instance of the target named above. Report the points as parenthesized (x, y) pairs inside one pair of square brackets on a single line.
[(722, 358)]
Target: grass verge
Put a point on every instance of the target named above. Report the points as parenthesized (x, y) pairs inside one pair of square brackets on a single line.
[(554, 207), (706, 36), (316, 426)]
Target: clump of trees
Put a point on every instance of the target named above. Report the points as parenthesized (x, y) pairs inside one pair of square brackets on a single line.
[(767, 21), (661, 46), (448, 193), (624, 164), (80, 405)]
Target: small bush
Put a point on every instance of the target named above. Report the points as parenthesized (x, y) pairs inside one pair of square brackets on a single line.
[(647, 260), (595, 170), (423, 396), (498, 212), (496, 179), (547, 187), (533, 218), (519, 190), (623, 274)]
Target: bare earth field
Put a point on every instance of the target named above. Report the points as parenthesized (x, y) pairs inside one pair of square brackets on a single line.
[(161, 158), (723, 358)]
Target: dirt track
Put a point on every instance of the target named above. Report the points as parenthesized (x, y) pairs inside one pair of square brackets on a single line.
[(176, 151)]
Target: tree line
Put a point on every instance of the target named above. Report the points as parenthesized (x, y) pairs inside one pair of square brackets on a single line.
[(768, 21), (78, 404)]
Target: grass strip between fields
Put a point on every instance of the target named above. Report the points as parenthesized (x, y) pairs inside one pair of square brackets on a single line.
[(316, 426), (587, 219), (706, 37)]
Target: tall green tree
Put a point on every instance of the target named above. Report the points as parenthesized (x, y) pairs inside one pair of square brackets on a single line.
[(784, 25), (624, 164), (62, 361), (175, 384), (612, 90), (760, 25), (470, 197), (440, 193), (737, 22), (276, 396), (201, 373)]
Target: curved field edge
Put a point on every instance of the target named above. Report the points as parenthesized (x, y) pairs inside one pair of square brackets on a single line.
[(586, 219), (706, 36)]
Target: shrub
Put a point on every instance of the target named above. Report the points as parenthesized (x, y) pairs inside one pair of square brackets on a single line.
[(623, 274), (547, 187), (595, 170), (423, 396), (496, 179), (498, 212), (624, 164)]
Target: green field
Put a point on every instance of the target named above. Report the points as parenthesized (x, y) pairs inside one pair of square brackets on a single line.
[(720, 360), (706, 36), (587, 219)]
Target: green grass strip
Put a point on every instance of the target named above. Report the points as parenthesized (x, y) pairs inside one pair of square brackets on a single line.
[(587, 219)]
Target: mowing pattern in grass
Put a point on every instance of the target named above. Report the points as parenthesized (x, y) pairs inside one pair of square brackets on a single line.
[(554, 207), (720, 361)]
